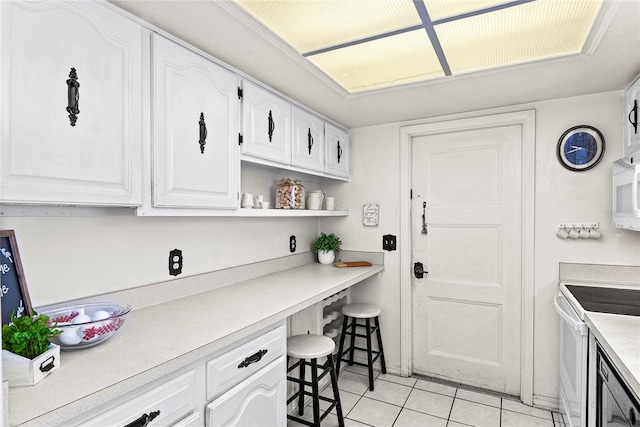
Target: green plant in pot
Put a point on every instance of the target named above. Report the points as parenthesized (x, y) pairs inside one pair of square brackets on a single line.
[(27, 352), (327, 246)]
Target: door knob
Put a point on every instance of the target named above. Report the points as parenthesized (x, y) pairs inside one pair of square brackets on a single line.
[(418, 270)]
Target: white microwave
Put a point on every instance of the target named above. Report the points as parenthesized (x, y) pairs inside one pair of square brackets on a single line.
[(626, 192)]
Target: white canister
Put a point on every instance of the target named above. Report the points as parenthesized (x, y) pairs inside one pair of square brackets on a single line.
[(314, 201)]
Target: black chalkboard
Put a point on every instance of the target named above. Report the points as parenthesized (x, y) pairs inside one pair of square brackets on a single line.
[(13, 288)]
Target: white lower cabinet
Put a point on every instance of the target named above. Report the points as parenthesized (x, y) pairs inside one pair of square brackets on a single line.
[(165, 405), (244, 384), (260, 400)]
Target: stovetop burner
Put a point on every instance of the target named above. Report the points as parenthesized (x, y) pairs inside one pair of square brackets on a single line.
[(607, 300)]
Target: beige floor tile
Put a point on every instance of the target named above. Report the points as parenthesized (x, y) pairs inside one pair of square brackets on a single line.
[(474, 396), (516, 419), (353, 383), (455, 424), (363, 370), (374, 413), (429, 403), (347, 399), (436, 387), (389, 392), (409, 418), (475, 414), (408, 381), (514, 406)]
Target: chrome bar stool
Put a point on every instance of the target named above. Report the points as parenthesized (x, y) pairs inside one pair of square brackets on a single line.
[(308, 348), (353, 312)]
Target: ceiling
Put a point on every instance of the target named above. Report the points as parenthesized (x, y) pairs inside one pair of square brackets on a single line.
[(227, 32), (366, 45)]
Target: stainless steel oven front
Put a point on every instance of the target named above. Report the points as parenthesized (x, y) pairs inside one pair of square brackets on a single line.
[(616, 404)]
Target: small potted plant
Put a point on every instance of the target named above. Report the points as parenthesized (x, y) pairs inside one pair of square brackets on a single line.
[(27, 352), (327, 246)]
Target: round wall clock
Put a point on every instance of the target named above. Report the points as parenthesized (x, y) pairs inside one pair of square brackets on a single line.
[(580, 148)]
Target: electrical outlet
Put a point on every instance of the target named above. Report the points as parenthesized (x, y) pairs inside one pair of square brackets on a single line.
[(389, 242), (175, 262), (292, 244)]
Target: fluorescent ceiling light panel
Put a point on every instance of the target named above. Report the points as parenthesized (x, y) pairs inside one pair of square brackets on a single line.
[(308, 25), (528, 32), (403, 58), (371, 44)]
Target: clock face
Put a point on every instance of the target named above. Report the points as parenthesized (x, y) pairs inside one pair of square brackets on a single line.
[(580, 148)]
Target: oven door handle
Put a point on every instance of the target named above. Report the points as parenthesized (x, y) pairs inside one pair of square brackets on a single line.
[(578, 325)]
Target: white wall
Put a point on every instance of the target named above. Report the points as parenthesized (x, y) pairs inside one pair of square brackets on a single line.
[(561, 196), (67, 258)]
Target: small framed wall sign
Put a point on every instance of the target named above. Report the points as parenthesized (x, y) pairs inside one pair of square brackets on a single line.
[(13, 287), (370, 215)]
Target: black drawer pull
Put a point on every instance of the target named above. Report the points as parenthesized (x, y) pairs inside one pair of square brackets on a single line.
[(73, 96), (144, 420), (48, 364), (252, 359), (339, 152)]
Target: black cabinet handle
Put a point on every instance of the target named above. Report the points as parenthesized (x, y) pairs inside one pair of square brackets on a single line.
[(73, 96), (309, 141), (252, 359), (272, 126), (203, 133), (634, 121), (48, 364), (144, 419), (339, 152)]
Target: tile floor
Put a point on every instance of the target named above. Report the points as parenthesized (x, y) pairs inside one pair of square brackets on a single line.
[(400, 402)]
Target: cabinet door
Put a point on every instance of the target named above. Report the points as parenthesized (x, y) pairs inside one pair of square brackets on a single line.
[(260, 400), (90, 156), (266, 123), (195, 130), (337, 142), (308, 141), (632, 110)]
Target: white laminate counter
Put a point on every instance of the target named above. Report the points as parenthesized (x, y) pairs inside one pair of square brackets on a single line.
[(620, 339), (162, 338)]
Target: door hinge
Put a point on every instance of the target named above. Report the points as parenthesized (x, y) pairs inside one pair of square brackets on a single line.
[(239, 139), (240, 93)]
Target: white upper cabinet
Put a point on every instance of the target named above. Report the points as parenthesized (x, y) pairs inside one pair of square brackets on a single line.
[(632, 110), (337, 152), (71, 105), (195, 130), (308, 141), (266, 124)]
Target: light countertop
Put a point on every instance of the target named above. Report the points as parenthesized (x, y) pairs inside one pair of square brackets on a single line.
[(162, 338), (620, 338)]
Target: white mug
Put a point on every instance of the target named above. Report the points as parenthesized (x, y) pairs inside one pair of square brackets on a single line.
[(247, 200), (574, 233), (257, 199), (583, 233), (594, 234), (562, 233), (330, 203)]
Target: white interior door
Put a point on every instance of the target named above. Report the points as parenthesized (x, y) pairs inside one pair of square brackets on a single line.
[(466, 309)]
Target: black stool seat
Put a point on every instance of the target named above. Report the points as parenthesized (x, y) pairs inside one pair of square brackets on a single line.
[(351, 313), (312, 347)]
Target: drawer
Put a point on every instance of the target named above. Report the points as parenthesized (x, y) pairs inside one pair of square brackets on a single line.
[(241, 362), (260, 400), (175, 399)]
